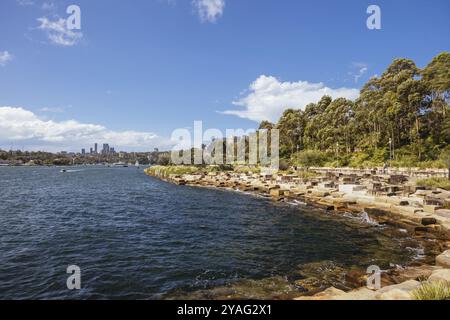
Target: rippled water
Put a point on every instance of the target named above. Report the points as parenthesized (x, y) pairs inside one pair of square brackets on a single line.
[(136, 237)]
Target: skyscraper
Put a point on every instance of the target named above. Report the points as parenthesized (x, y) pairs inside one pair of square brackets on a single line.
[(105, 148), (95, 148)]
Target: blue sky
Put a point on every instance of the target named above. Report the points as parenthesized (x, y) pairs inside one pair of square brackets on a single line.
[(151, 66)]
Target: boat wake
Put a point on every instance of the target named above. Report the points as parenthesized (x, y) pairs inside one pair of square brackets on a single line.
[(71, 171)]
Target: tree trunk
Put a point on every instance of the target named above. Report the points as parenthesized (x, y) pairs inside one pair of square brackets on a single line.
[(418, 138)]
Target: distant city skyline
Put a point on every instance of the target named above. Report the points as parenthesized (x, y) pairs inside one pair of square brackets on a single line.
[(132, 76), (106, 150)]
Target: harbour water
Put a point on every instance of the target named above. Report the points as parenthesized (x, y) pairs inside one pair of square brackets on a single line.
[(135, 237)]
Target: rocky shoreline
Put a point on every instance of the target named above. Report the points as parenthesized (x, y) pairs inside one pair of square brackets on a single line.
[(387, 199)]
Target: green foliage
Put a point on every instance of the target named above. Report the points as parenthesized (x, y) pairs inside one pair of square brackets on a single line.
[(445, 157), (311, 158), (163, 159), (437, 73), (438, 290), (284, 165), (3, 155), (62, 162), (405, 110), (266, 125), (433, 183), (246, 169), (307, 174), (165, 171), (219, 168)]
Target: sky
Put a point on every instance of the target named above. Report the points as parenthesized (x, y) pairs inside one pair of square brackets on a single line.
[(139, 69)]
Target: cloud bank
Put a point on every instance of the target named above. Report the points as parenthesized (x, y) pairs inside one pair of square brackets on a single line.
[(5, 57), (268, 97), (23, 127), (58, 33), (209, 10)]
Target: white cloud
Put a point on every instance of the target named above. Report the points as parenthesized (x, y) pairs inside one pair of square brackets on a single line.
[(209, 10), (58, 33), (360, 68), (360, 73), (25, 2), (23, 126), (48, 6), (5, 57), (268, 97), (52, 110)]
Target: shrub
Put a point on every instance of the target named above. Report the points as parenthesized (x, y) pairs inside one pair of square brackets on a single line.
[(306, 174), (283, 165), (439, 290), (165, 171), (311, 158), (369, 158), (246, 169), (442, 183), (163, 159)]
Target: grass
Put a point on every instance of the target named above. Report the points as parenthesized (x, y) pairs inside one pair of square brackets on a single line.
[(442, 183), (166, 171), (439, 290), (307, 174)]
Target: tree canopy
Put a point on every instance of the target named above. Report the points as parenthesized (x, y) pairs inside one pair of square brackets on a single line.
[(403, 115)]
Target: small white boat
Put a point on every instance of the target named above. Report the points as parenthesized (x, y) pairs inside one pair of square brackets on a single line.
[(120, 164)]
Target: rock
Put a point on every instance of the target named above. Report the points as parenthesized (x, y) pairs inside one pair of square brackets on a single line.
[(440, 275), (321, 275), (422, 229), (325, 206), (406, 286), (431, 208), (320, 194), (275, 192), (309, 284), (435, 227), (351, 188), (419, 273), (443, 259), (356, 278), (445, 213), (394, 294), (376, 212), (428, 221), (359, 294), (327, 294), (332, 291)]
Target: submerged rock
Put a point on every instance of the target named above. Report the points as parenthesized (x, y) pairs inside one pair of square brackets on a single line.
[(268, 288), (320, 275)]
